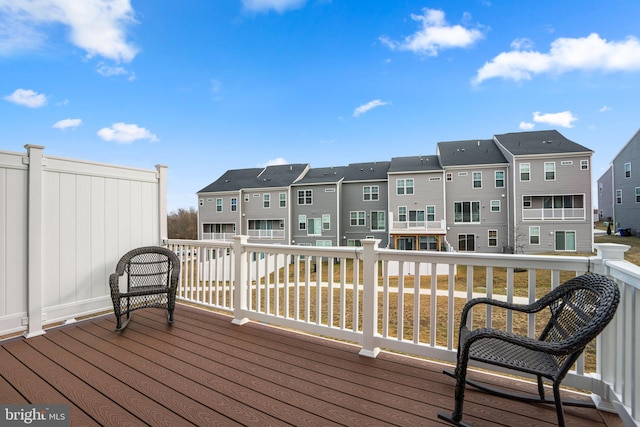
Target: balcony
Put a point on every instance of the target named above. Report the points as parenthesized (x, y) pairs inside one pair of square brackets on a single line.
[(218, 236), (554, 214), (266, 234), (418, 227)]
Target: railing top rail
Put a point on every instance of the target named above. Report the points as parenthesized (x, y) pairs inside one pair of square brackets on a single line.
[(204, 243)]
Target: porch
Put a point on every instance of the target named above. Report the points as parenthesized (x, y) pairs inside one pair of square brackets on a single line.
[(204, 370)]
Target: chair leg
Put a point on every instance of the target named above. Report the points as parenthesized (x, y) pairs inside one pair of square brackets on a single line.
[(558, 400), (460, 375), (170, 316)]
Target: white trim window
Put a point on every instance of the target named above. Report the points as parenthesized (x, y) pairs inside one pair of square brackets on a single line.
[(404, 186), (234, 204), (378, 221), (266, 200), (218, 205), (314, 227), (431, 213), (637, 194), (282, 200), (495, 206), (499, 179), (618, 197), (402, 213), (305, 197), (357, 218), (627, 170), (326, 222), (525, 171), (565, 240), (370, 192), (549, 171), (493, 238), (534, 235), (584, 165), (477, 180), (466, 242), (449, 176), (302, 222), (466, 212)]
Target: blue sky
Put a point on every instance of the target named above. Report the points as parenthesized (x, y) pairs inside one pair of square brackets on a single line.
[(204, 86)]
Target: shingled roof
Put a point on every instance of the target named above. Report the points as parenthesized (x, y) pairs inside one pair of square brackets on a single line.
[(470, 152), (331, 174), (370, 171), (415, 164), (539, 142), (268, 177)]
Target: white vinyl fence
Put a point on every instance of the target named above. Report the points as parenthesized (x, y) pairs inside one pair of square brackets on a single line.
[(63, 226)]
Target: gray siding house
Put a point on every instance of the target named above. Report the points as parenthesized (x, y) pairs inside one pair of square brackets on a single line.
[(364, 203), (416, 203), (625, 175), (524, 192), (315, 207), (476, 188), (550, 192), (605, 196), (258, 200)]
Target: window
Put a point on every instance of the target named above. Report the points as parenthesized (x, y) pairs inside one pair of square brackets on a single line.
[(234, 204), (371, 192), (549, 171), (325, 243), (584, 165), (495, 206), (565, 240), (357, 218), (402, 213), (600, 188), (377, 220), (449, 176), (283, 200), (404, 186), (637, 194), (493, 238), (499, 179), (314, 227), (466, 212), (534, 235), (246, 197), (525, 171), (305, 197), (627, 170), (201, 202), (302, 222), (353, 242), (428, 243), (218, 205), (619, 197), (266, 200), (416, 218), (477, 179), (466, 242), (526, 201), (431, 213), (326, 222), (566, 162)]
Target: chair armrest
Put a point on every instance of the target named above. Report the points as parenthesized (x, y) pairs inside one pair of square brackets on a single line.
[(523, 308), (558, 348), (113, 283)]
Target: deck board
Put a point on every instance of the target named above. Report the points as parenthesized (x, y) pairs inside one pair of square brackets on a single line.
[(203, 370)]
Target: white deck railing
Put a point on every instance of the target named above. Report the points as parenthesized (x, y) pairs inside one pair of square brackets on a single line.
[(311, 289), (554, 214)]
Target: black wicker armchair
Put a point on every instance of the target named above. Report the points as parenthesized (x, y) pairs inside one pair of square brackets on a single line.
[(579, 310), (151, 275)]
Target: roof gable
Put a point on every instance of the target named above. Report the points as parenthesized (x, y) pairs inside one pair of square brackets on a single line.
[(470, 152), (271, 176), (538, 142)]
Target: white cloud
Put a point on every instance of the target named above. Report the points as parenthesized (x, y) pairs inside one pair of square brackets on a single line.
[(27, 97), (605, 108), (589, 53), (564, 118), (277, 5), (435, 35), (67, 123), (526, 125), (125, 133), (368, 106), (96, 26), (275, 162)]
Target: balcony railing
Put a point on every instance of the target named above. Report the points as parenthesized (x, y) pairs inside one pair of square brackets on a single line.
[(418, 226), (345, 293), (218, 236), (554, 214), (266, 234)]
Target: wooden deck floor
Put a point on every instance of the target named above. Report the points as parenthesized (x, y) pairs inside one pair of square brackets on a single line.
[(205, 371)]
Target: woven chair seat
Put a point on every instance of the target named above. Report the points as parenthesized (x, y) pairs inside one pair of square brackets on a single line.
[(151, 275), (578, 311)]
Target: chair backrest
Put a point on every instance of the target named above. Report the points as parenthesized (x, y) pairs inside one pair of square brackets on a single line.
[(580, 309), (148, 266)]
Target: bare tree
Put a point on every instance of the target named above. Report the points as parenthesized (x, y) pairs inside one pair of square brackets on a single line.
[(183, 224)]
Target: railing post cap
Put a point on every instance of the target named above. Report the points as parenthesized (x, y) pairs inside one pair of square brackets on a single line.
[(611, 250)]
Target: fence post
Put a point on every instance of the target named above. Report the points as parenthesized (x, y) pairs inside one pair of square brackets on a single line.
[(240, 285), (369, 299), (35, 160)]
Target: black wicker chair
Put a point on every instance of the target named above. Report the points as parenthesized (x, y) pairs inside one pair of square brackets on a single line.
[(579, 310), (151, 279)]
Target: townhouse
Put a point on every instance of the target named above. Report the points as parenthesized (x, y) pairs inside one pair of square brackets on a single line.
[(619, 188), (524, 192)]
